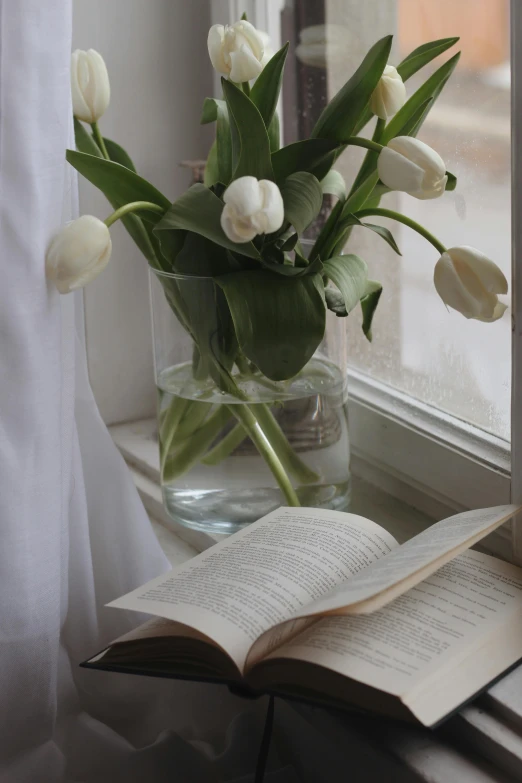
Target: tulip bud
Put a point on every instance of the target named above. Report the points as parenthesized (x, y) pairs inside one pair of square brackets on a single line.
[(89, 85), (78, 253), (251, 207), (469, 282), (236, 50), (389, 95), (409, 165)]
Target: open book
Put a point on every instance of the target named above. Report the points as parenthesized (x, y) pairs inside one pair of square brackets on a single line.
[(325, 606)]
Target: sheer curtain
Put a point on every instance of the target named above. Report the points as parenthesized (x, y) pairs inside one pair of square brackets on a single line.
[(74, 534)]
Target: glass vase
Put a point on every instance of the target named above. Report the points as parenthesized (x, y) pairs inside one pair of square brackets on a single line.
[(233, 444)]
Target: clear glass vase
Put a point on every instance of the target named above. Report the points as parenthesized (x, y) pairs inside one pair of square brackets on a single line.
[(233, 444)]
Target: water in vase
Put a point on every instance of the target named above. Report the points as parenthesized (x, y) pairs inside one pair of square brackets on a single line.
[(213, 477)]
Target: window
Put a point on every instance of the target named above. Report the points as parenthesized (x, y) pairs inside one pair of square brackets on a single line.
[(431, 395)]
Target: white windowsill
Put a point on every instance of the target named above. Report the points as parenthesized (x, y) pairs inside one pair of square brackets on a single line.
[(380, 496)]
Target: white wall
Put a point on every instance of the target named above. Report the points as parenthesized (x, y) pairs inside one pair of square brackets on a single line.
[(158, 65)]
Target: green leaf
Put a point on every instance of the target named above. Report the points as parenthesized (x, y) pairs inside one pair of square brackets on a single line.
[(215, 110), (118, 155), (369, 304), (423, 55), (210, 110), (410, 65), (274, 133), (383, 232), (211, 173), (431, 88), (199, 210), (84, 141), (135, 227), (206, 311), (199, 256), (386, 234), (169, 244), (303, 198), (254, 145), (337, 228), (224, 144), (326, 234), (266, 89), (350, 274), (313, 155), (357, 200), (451, 184), (412, 126), (117, 182), (290, 242), (339, 119), (289, 270), (334, 185), (279, 321), (335, 302), (370, 160)]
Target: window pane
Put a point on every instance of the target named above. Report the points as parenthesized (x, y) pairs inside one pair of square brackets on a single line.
[(459, 366)]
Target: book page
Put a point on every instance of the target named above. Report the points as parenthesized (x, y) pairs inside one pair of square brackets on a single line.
[(405, 648), (262, 575), (412, 562)]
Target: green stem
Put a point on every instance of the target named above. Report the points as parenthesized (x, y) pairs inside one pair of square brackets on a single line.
[(168, 427), (194, 447), (245, 416), (226, 446), (98, 138), (193, 418), (133, 206), (400, 218), (369, 160), (289, 458), (359, 141), (246, 88)]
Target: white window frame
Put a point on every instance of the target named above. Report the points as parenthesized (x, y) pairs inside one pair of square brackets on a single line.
[(415, 452)]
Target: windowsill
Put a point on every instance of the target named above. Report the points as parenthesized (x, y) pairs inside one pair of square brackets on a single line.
[(139, 447), (385, 502), (490, 728)]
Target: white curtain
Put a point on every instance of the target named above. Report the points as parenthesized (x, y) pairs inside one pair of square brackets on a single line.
[(74, 534)]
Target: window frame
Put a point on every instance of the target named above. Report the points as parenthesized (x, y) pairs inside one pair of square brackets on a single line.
[(516, 276), (415, 452)]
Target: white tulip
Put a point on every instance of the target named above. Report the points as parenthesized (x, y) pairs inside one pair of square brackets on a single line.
[(469, 282), (236, 50), (389, 95), (90, 86), (78, 253), (252, 207), (409, 165)]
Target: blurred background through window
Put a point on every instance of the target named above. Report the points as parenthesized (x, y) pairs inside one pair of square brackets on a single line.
[(461, 367)]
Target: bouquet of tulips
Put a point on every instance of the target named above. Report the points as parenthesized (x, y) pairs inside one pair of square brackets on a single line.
[(242, 228)]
